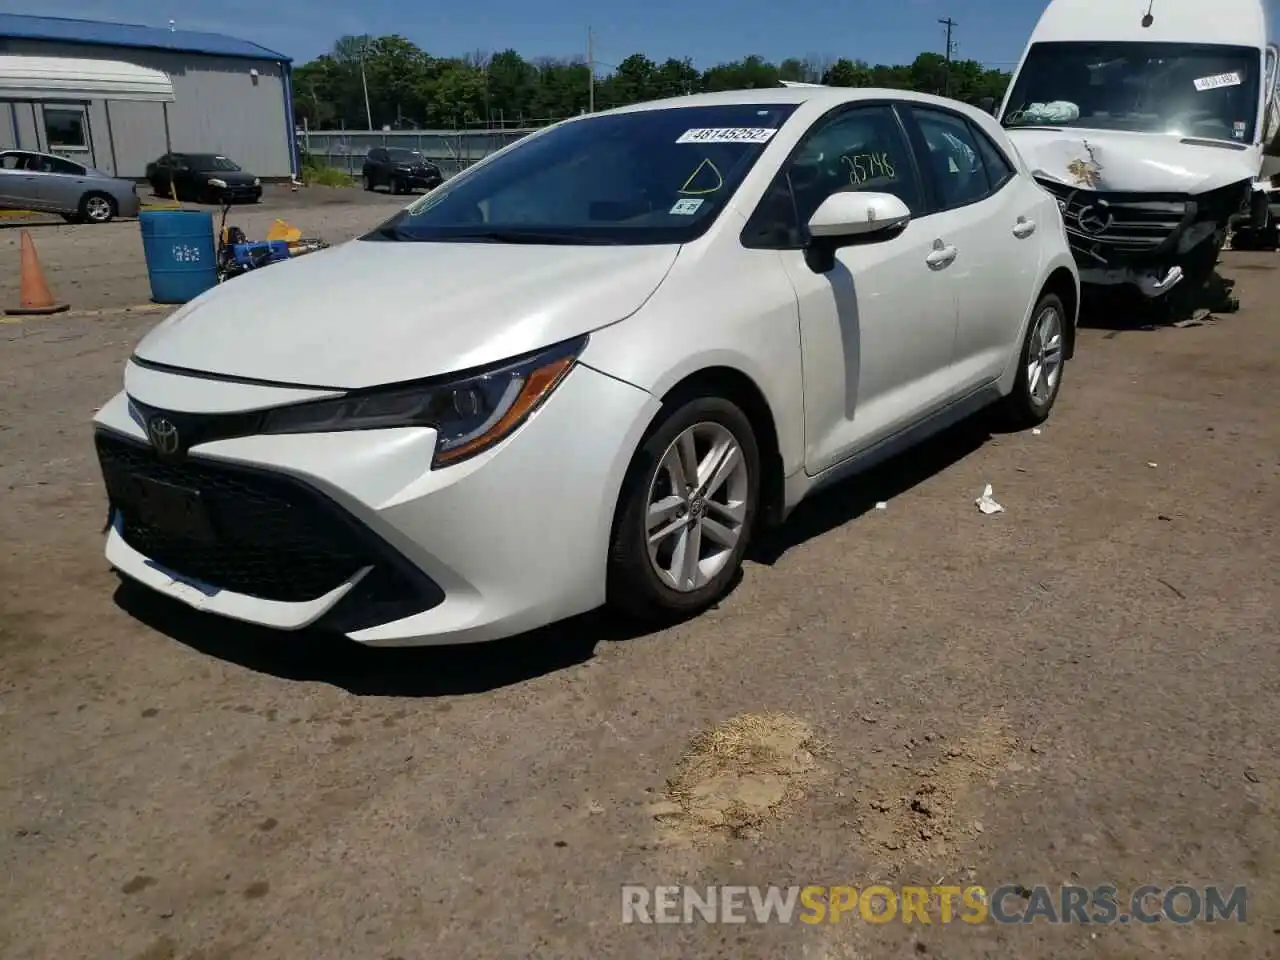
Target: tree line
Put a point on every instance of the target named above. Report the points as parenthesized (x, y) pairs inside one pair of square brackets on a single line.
[(408, 88)]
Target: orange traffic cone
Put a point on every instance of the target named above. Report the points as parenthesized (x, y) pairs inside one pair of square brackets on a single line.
[(34, 296)]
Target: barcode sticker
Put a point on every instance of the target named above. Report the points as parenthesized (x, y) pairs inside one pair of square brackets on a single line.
[(1218, 80), (727, 135)]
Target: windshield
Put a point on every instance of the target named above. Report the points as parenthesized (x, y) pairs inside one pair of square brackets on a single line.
[(209, 161), (649, 176), (1184, 89), (404, 156)]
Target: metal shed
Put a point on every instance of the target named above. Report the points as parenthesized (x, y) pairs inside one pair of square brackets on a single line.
[(88, 99)]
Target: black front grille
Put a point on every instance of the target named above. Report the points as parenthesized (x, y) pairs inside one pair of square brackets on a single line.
[(273, 537), (1118, 226)]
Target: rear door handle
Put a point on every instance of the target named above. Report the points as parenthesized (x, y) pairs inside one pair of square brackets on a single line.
[(942, 256), (1024, 228)]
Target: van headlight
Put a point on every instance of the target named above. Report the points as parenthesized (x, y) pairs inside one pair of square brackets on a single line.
[(470, 412), (220, 184)]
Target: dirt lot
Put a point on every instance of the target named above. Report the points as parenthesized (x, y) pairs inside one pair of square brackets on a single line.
[(94, 268), (1081, 689)]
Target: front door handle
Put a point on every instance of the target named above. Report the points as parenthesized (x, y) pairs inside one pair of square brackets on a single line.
[(942, 256), (1024, 228)]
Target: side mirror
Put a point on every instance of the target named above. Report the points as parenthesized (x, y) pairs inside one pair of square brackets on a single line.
[(987, 105), (848, 218)]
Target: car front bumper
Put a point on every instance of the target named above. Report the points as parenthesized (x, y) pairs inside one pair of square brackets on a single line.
[(353, 532)]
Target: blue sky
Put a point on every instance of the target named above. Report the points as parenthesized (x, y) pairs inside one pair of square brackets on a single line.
[(890, 31)]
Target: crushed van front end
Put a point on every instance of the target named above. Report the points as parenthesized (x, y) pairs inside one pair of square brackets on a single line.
[(1154, 241)]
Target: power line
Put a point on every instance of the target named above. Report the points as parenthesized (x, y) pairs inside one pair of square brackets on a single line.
[(949, 24)]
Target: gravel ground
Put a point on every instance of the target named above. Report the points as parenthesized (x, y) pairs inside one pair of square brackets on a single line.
[(1079, 690), (93, 268)]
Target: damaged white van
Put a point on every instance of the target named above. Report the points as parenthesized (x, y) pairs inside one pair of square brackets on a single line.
[(1148, 121)]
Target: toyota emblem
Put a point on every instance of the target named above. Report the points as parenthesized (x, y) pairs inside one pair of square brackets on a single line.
[(164, 436)]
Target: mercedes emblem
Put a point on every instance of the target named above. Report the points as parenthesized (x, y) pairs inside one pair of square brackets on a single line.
[(1095, 218)]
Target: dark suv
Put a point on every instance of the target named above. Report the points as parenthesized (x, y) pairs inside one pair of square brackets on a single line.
[(399, 170)]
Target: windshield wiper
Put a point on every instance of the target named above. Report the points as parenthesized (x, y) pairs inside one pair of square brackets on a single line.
[(392, 232), (530, 236)]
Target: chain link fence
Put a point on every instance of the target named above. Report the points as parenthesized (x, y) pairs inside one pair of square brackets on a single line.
[(451, 150)]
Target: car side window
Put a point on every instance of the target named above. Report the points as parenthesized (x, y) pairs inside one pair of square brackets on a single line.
[(58, 165), (954, 162), (999, 168), (861, 149), (13, 161)]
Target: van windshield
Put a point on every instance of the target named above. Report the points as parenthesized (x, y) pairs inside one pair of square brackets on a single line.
[(657, 175), (1208, 91)]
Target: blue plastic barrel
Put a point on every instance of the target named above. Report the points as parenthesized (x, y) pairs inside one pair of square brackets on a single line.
[(180, 253)]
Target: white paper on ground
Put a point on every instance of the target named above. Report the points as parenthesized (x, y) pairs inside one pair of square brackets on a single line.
[(987, 504)]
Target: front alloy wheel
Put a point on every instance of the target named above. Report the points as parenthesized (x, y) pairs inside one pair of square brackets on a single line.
[(686, 512), (697, 507)]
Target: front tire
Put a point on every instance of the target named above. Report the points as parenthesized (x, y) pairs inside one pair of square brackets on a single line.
[(686, 511), (97, 208), (1040, 366)]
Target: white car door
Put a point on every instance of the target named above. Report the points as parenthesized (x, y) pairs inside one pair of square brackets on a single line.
[(994, 216), (877, 331)]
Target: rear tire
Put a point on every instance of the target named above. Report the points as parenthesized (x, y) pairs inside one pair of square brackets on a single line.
[(366, 183), (1041, 363), (659, 578)]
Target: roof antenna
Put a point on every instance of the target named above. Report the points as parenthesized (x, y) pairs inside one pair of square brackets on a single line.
[(1148, 19)]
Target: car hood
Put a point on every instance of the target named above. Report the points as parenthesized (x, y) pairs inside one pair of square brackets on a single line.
[(369, 312), (1108, 160)]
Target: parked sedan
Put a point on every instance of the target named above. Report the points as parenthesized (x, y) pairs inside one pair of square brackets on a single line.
[(589, 369), (202, 177), (49, 184), (399, 170)]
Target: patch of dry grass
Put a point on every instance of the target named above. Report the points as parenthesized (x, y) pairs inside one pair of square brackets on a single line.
[(739, 776)]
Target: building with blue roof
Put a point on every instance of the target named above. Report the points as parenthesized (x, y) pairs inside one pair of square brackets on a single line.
[(92, 91)]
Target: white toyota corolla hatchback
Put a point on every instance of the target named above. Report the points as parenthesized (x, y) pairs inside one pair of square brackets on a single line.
[(589, 368)]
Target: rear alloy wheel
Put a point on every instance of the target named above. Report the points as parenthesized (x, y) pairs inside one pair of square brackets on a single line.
[(686, 512), (97, 208), (1040, 366)]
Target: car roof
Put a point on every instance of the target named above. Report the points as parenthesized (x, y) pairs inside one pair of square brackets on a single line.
[(38, 153), (824, 96)]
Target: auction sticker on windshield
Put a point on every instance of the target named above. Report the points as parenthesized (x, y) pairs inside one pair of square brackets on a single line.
[(685, 207), (727, 135), (1218, 80)]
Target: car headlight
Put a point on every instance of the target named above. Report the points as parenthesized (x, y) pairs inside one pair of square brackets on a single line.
[(220, 184), (257, 181), (470, 412)]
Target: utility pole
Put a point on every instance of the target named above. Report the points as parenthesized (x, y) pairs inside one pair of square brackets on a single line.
[(591, 72), (950, 25), (368, 114)]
